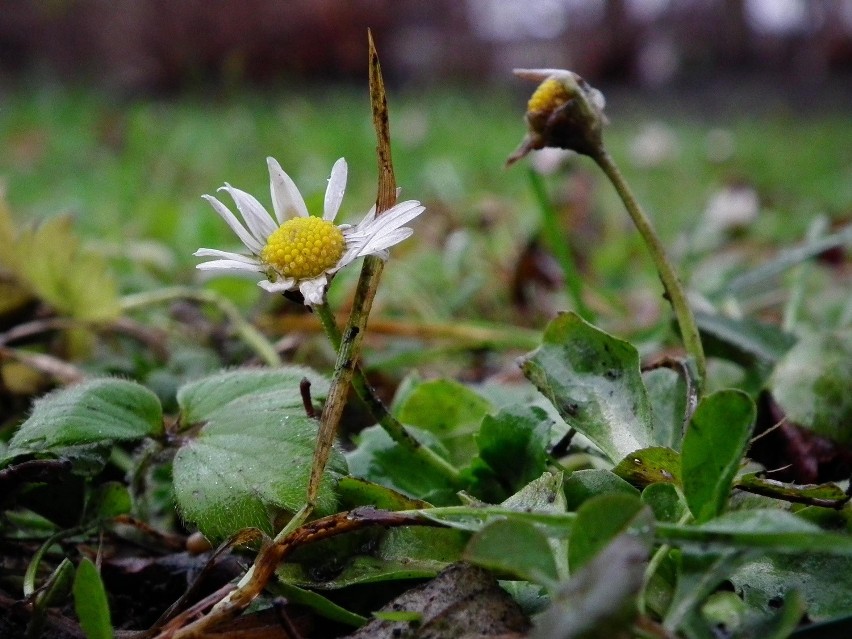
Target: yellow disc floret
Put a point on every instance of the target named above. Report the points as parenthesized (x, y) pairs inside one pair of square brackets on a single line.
[(303, 248), (549, 95)]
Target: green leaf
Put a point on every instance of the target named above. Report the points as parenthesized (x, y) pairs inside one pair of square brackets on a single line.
[(761, 529), (781, 623), (90, 602), (316, 602), (53, 593), (450, 411), (599, 601), (787, 259), (545, 495), (540, 495), (713, 448), (699, 573), (665, 501), (398, 553), (379, 459), (278, 388), (355, 492), (251, 459), (824, 581), (594, 381), (96, 411), (744, 341), (667, 394), (512, 451), (109, 500), (600, 520), (812, 384), (531, 556), (650, 466), (582, 485)]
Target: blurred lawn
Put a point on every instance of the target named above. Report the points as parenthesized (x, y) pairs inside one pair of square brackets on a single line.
[(133, 171)]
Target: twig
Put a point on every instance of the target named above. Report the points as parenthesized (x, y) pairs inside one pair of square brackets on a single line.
[(273, 554), (365, 292)]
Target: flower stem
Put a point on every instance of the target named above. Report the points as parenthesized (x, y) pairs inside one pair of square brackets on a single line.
[(392, 426), (672, 285), (252, 337), (558, 243)]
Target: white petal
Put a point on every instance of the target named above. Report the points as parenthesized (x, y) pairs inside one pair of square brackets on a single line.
[(257, 218), (206, 252), (225, 213), (229, 265), (398, 215), (371, 215), (392, 218), (286, 199), (335, 190), (313, 290), (277, 287), (539, 75), (381, 241)]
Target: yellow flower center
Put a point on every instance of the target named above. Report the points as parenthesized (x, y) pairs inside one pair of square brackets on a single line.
[(549, 95), (304, 247)]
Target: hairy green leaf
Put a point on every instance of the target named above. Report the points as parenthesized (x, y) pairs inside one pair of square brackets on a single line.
[(824, 581), (251, 460), (96, 411), (278, 389)]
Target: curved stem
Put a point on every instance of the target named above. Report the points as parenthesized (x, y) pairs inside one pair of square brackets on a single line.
[(392, 426), (672, 285)]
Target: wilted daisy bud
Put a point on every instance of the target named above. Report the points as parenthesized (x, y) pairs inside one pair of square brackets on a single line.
[(565, 112)]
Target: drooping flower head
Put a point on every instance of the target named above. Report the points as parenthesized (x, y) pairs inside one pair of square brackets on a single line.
[(564, 112), (296, 251)]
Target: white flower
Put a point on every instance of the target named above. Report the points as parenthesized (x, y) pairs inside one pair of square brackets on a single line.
[(295, 250)]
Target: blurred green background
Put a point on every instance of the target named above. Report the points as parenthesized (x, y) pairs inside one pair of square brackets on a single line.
[(756, 121)]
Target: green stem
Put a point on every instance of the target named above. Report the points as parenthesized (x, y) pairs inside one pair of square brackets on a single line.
[(554, 235), (344, 369), (244, 329), (672, 285), (392, 426)]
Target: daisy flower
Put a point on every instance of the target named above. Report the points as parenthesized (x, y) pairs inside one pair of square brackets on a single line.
[(294, 250)]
